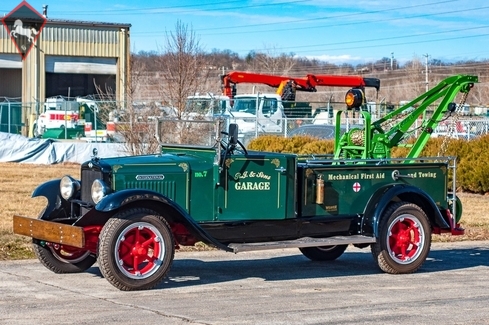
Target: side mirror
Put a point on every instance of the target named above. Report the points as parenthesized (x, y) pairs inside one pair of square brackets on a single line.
[(233, 134)]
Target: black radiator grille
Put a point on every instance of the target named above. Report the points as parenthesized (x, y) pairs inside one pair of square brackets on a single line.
[(87, 178)]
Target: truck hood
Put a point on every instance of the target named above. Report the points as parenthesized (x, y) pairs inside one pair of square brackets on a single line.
[(243, 115), (155, 161)]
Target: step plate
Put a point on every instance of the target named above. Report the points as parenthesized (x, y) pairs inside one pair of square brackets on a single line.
[(303, 242)]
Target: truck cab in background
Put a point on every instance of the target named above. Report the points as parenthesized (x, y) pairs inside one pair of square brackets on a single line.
[(257, 113), (56, 113), (206, 105)]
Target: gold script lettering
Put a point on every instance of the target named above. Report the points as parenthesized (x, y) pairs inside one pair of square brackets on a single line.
[(252, 186)]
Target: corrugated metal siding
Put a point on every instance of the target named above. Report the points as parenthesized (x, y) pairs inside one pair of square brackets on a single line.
[(81, 49), (80, 35), (6, 44), (65, 40)]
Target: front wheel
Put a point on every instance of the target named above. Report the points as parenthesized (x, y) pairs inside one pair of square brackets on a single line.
[(136, 249), (62, 259), (404, 239), (323, 253)]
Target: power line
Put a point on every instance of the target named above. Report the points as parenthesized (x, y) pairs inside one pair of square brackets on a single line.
[(349, 15), (393, 44), (174, 9), (392, 38), (309, 47)]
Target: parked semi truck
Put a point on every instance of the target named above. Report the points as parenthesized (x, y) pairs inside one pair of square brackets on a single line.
[(265, 112), (131, 213)]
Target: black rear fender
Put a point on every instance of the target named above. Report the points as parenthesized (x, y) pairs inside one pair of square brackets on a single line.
[(395, 193)]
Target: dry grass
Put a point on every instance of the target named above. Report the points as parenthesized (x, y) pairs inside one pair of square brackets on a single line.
[(17, 181)]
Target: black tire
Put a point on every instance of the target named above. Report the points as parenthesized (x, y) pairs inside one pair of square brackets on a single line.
[(63, 259), (136, 249), (323, 253), (404, 239)]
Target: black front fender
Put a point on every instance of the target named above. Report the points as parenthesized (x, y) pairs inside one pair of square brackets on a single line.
[(50, 190), (382, 197), (120, 198)]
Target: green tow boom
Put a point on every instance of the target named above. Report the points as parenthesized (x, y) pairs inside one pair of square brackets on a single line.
[(376, 139)]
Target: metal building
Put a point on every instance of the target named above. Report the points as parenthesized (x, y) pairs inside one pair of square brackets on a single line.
[(70, 58), (74, 54)]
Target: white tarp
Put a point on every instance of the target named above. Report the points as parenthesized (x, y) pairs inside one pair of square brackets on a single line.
[(17, 148)]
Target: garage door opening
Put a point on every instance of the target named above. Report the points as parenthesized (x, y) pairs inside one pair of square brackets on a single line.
[(74, 84), (80, 75)]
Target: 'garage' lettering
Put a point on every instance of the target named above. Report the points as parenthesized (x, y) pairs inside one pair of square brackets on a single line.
[(253, 186)]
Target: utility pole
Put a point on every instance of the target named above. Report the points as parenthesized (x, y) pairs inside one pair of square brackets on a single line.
[(392, 61), (426, 70)]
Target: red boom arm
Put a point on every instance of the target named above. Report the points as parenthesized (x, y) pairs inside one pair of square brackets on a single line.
[(308, 83)]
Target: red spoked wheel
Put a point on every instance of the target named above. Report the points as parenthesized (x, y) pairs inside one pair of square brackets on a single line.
[(63, 259), (68, 254), (139, 250), (136, 249), (404, 239)]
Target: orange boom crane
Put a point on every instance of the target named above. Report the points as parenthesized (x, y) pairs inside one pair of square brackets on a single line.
[(287, 86)]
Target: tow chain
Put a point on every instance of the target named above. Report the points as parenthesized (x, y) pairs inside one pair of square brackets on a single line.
[(452, 126)]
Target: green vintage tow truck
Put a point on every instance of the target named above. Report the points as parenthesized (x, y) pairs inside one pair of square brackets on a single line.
[(131, 213)]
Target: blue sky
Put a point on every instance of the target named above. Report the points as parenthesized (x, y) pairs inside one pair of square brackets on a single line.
[(337, 31)]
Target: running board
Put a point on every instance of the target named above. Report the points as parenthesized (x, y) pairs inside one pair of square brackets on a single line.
[(302, 242)]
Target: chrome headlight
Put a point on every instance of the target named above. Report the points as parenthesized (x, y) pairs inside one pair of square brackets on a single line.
[(68, 186), (99, 190)]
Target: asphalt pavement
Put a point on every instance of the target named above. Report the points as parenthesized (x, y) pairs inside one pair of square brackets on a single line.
[(266, 287)]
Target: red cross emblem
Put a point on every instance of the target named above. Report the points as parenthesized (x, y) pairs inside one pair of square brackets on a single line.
[(356, 187)]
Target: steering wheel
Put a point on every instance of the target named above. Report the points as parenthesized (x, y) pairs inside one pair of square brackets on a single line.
[(226, 146)]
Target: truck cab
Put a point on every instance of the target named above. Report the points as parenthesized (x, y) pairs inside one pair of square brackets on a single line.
[(257, 113), (57, 113)]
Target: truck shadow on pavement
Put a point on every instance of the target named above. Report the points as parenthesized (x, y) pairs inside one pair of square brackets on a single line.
[(191, 272)]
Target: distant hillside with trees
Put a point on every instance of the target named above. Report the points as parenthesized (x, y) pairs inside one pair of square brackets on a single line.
[(182, 68), (398, 82)]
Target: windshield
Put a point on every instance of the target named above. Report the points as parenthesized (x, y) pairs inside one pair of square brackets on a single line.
[(248, 105), (205, 106), (245, 104), (198, 106)]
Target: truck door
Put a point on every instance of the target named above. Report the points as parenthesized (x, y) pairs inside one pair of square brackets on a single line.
[(257, 187)]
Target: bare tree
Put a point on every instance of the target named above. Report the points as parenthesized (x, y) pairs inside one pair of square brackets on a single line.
[(184, 67), (270, 62), (134, 122)]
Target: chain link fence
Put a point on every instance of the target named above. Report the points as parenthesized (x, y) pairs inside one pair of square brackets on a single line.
[(153, 123)]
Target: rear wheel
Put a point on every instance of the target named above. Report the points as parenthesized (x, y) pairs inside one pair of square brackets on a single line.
[(136, 249), (63, 259), (323, 253), (404, 239)]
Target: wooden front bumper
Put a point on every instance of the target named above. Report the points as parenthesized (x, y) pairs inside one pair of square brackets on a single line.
[(49, 231)]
